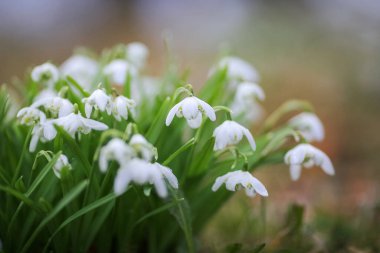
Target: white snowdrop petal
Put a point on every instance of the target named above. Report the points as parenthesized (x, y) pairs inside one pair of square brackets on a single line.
[(259, 187), (250, 139), (210, 112), (94, 124), (295, 172), (195, 122), (33, 143), (122, 181), (172, 113)]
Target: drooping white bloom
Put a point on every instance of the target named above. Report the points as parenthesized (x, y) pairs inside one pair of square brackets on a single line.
[(98, 100), (75, 123), (137, 54), (309, 125), (307, 156), (120, 107), (245, 101), (57, 106), (116, 149), (30, 116), (45, 93), (241, 179), (231, 133), (82, 68), (44, 132), (237, 69), (46, 73), (60, 164), (142, 147), (117, 71), (142, 172), (192, 109)]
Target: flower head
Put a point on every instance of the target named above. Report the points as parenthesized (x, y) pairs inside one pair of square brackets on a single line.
[(231, 133), (238, 70), (98, 100), (118, 70), (137, 54), (116, 149), (46, 73), (57, 106), (307, 156), (309, 125), (241, 179), (120, 107), (30, 116), (74, 123), (142, 147), (245, 101), (142, 172), (82, 68), (192, 109), (61, 163), (43, 131)]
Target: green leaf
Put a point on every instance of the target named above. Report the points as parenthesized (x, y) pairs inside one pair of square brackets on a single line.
[(70, 196), (182, 149), (214, 86), (78, 86), (201, 159), (159, 121), (91, 207)]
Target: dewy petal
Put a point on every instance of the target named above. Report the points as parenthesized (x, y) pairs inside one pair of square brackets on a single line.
[(250, 139), (172, 113), (195, 122), (122, 181), (210, 112), (259, 187), (94, 124)]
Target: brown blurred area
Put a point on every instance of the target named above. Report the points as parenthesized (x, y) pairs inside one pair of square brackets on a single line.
[(327, 52)]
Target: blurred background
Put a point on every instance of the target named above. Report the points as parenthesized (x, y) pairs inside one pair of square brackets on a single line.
[(324, 51)]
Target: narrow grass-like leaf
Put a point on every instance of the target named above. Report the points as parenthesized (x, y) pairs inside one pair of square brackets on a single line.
[(183, 148), (61, 204)]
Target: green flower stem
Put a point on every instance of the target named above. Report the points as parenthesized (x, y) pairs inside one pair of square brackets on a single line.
[(21, 159)]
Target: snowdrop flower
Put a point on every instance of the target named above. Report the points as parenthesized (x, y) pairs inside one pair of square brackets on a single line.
[(241, 179), (120, 107), (98, 100), (137, 54), (45, 93), (46, 73), (141, 172), (309, 125), (237, 70), (307, 156), (192, 109), (116, 149), (30, 116), (117, 71), (55, 105), (167, 174), (82, 68), (61, 163), (143, 147), (245, 101), (44, 132), (74, 123), (231, 133)]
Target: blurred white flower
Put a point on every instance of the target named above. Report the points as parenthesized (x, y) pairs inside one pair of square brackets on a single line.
[(60, 164), (46, 74), (141, 172), (98, 100), (167, 174), (43, 131), (82, 68), (192, 109), (241, 179), (115, 149), (30, 116), (238, 70), (74, 123), (142, 147), (137, 53), (307, 156), (309, 125), (231, 133), (45, 93), (117, 71), (245, 101), (120, 107), (57, 106)]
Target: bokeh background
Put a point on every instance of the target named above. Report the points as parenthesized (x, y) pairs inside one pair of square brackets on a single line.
[(324, 51)]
